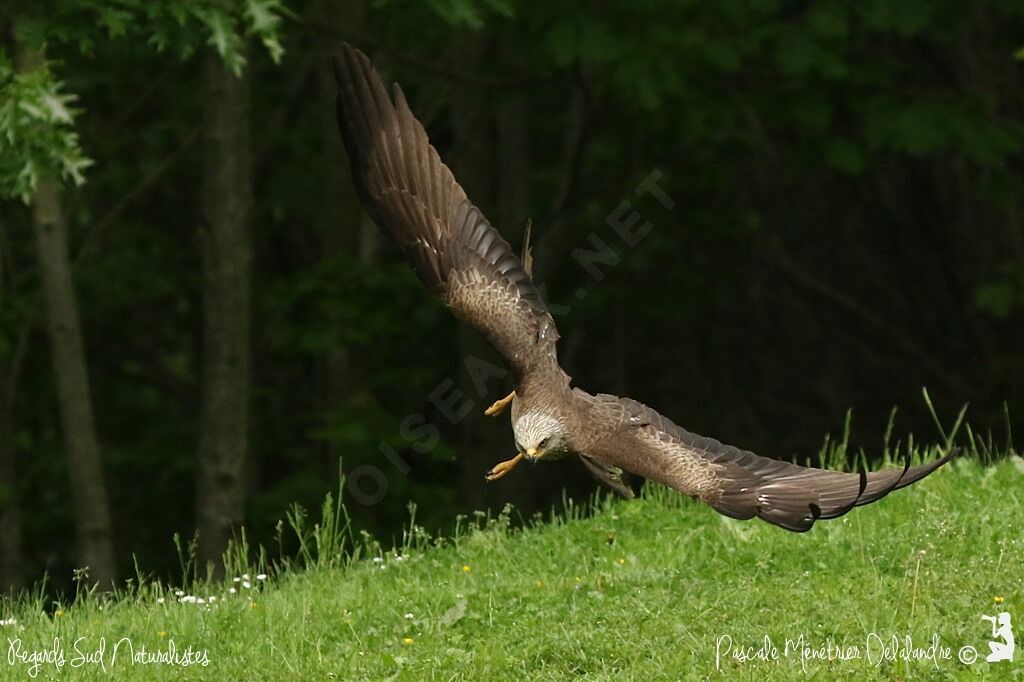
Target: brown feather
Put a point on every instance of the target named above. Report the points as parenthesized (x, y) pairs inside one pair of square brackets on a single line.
[(414, 197), (610, 476), (737, 482)]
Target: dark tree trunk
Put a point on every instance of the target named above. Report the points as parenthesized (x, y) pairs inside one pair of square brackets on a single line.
[(88, 490), (226, 246), (11, 553)]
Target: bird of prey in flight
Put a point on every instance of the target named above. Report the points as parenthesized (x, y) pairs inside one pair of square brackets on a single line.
[(413, 196)]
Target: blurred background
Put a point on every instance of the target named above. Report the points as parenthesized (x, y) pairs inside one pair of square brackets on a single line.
[(197, 321)]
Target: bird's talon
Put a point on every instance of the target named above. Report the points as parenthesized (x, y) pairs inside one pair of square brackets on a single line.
[(499, 406), (502, 468)]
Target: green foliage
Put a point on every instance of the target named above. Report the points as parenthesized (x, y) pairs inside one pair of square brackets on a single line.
[(37, 131), (178, 26), (228, 28), (37, 128), (264, 19)]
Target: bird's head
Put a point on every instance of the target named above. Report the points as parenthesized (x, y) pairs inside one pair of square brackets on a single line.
[(540, 436)]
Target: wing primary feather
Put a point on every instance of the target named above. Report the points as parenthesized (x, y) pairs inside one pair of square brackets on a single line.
[(527, 257), (862, 485), (739, 483), (413, 196)]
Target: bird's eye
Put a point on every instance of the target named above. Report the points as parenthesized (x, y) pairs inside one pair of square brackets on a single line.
[(543, 443)]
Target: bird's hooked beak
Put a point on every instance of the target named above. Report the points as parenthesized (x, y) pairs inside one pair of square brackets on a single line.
[(532, 454)]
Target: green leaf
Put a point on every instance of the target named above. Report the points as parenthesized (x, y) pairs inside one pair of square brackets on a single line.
[(220, 33), (37, 134), (116, 20), (54, 105), (225, 39), (262, 18)]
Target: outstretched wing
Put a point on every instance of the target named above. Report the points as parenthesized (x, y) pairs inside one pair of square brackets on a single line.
[(737, 482), (414, 197)]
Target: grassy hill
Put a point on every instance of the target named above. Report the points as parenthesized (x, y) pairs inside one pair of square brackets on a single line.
[(660, 588)]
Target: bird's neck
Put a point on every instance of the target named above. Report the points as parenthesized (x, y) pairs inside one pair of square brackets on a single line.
[(544, 385)]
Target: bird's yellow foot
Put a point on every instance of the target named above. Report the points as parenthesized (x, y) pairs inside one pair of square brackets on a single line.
[(499, 406), (502, 468)]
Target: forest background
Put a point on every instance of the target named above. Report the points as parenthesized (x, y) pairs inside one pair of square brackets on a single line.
[(757, 217)]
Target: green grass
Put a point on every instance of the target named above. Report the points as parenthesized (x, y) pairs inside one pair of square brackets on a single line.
[(636, 590)]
